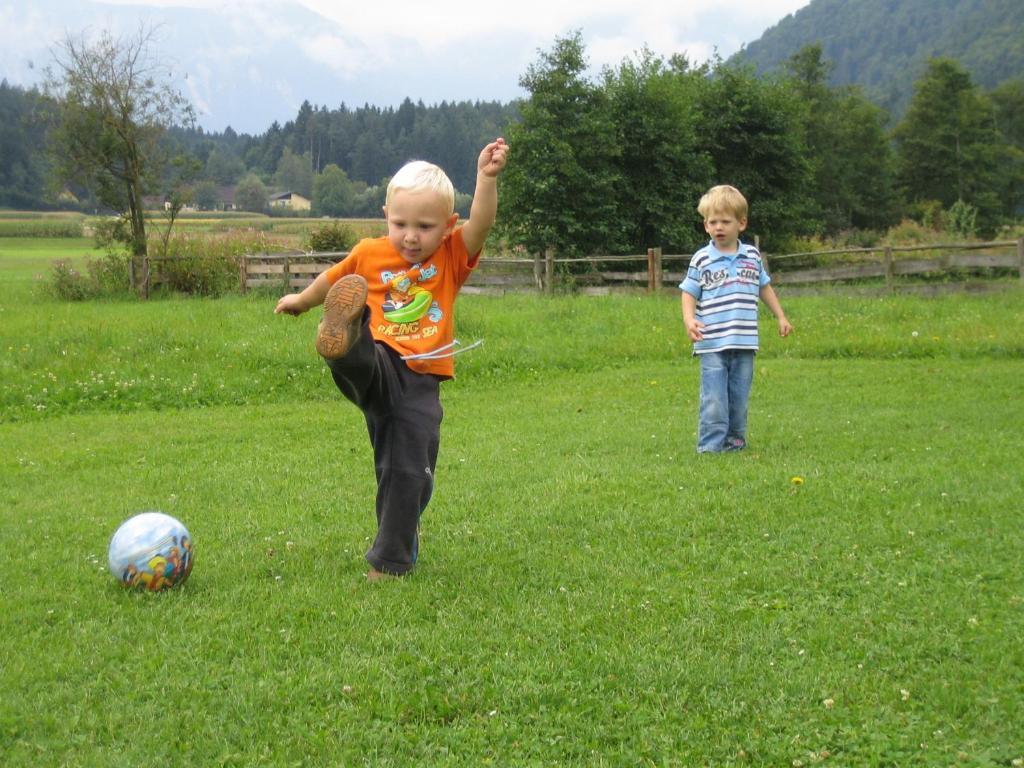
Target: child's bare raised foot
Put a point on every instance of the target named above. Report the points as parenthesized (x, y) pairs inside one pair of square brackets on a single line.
[(343, 314)]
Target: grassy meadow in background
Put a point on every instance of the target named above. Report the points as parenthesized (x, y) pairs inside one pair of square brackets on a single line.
[(590, 592)]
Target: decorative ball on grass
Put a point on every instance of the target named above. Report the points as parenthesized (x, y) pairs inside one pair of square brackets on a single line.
[(150, 551)]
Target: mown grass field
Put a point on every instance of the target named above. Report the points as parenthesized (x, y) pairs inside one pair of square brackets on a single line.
[(847, 592)]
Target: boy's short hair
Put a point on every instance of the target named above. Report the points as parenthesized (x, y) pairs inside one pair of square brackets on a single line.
[(420, 175), (723, 198)]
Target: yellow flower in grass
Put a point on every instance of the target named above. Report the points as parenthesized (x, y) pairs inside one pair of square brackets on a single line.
[(796, 480)]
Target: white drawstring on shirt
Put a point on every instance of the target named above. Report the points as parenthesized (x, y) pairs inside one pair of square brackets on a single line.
[(448, 350)]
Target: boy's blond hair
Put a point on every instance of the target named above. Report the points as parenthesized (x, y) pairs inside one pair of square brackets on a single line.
[(725, 199), (419, 176)]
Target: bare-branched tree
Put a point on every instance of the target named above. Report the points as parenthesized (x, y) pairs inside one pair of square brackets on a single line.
[(115, 103)]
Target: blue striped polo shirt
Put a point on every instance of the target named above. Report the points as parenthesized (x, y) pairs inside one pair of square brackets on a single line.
[(726, 286)]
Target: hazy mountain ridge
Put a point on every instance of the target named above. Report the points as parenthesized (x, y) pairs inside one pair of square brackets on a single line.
[(884, 45)]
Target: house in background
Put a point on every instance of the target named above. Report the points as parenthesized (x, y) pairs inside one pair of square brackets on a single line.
[(226, 197), (292, 200)]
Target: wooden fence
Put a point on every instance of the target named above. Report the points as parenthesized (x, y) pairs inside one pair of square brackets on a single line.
[(655, 271), (281, 270)]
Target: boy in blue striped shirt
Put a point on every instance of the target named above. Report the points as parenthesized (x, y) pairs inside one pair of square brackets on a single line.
[(720, 292)]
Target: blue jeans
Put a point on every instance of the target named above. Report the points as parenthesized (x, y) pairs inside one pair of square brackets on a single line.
[(725, 381)]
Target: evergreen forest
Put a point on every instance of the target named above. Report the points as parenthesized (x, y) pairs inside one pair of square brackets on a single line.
[(884, 45)]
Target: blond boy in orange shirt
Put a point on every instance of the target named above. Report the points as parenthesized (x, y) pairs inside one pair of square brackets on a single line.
[(388, 335)]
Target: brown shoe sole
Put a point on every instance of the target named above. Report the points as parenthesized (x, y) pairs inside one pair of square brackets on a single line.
[(343, 314)]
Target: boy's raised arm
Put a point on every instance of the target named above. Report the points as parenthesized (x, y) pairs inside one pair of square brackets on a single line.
[(485, 199)]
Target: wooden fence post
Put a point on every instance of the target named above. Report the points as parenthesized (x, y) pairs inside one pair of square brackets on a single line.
[(538, 273), (653, 270), (549, 270), (888, 267), (241, 273), (1020, 257)]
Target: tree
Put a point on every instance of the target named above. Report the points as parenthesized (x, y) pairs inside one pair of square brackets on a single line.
[(662, 170), (561, 190), (294, 173), (224, 167), (946, 146), (23, 169), (848, 150), (251, 194), (114, 107), (1008, 101), (206, 196), (751, 129), (333, 194)]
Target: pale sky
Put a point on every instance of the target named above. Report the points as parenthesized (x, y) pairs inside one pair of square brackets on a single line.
[(246, 64)]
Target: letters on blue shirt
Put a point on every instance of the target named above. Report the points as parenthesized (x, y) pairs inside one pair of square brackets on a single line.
[(726, 287)]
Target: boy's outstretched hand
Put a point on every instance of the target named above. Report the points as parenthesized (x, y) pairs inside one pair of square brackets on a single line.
[(493, 158), (290, 304)]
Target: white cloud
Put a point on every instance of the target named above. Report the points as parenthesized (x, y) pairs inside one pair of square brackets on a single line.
[(345, 59), (663, 25), (249, 62)]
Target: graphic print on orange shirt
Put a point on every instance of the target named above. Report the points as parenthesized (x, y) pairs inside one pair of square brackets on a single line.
[(404, 300)]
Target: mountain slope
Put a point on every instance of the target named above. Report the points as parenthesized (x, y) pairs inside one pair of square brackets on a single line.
[(883, 45)]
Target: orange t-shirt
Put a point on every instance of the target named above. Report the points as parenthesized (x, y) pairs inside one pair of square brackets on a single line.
[(411, 305)]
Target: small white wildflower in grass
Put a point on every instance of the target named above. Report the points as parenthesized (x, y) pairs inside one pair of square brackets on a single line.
[(904, 694), (973, 621), (346, 689), (829, 703), (914, 334)]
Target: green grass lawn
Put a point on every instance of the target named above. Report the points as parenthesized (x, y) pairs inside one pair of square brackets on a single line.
[(591, 592), (26, 261)]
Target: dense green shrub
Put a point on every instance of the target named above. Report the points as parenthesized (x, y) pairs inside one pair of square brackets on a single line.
[(111, 232), (68, 283), (333, 236), (909, 232), (200, 264), (962, 220), (103, 277), (110, 274)]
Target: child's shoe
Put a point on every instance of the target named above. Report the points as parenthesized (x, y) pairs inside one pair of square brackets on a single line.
[(343, 314), (734, 444)]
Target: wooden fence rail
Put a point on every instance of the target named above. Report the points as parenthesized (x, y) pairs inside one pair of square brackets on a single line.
[(297, 270)]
